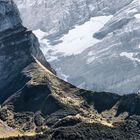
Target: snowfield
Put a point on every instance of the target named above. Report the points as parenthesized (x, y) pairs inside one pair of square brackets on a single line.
[(137, 16), (77, 39), (130, 56)]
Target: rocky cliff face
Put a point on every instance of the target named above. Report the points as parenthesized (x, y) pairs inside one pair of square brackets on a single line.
[(9, 15), (17, 45), (63, 15)]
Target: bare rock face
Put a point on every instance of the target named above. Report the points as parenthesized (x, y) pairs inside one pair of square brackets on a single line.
[(112, 64), (17, 45), (62, 15)]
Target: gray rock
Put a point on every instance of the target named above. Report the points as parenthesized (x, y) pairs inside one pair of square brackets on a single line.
[(57, 17), (17, 45)]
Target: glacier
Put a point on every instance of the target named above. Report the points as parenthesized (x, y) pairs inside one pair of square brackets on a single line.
[(58, 16)]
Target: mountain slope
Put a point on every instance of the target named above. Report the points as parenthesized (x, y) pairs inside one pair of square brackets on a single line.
[(16, 43), (35, 102), (49, 103), (117, 54), (63, 15), (106, 59)]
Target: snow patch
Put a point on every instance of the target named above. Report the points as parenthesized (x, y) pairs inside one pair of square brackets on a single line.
[(76, 41), (132, 11), (80, 38), (130, 56), (137, 16)]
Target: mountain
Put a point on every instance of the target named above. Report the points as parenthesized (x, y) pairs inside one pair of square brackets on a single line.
[(17, 45), (93, 44), (63, 15), (37, 104)]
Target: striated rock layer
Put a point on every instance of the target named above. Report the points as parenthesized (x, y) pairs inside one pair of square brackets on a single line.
[(62, 15)]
